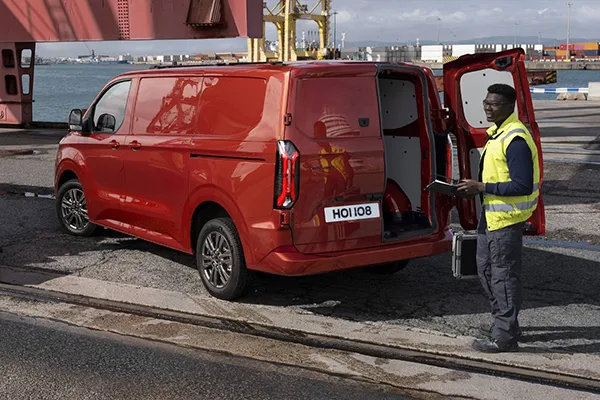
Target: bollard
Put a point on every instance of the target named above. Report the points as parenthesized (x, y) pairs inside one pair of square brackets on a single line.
[(594, 91)]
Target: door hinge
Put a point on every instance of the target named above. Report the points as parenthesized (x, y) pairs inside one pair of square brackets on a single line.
[(287, 119)]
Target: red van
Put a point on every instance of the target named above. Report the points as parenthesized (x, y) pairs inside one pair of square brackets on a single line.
[(285, 168)]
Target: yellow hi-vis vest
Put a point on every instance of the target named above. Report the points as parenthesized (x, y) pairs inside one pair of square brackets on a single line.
[(503, 211)]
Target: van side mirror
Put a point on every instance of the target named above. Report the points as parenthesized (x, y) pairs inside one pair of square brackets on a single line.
[(76, 120)]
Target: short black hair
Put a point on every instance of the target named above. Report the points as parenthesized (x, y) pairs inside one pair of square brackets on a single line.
[(502, 89)]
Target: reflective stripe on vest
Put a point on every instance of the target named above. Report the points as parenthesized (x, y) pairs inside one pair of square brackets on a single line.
[(503, 211), (509, 207)]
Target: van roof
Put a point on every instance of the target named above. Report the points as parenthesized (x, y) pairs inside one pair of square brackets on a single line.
[(274, 67)]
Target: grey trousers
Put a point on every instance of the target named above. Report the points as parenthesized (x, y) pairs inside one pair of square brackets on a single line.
[(499, 268)]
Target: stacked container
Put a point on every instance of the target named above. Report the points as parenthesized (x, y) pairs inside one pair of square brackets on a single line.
[(485, 48), (591, 49), (462, 49), (433, 53)]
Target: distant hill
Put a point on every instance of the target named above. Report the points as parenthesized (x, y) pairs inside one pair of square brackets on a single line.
[(484, 40)]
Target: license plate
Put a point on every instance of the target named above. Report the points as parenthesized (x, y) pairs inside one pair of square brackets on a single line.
[(354, 212)]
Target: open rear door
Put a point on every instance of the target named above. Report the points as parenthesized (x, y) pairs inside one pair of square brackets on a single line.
[(465, 87)]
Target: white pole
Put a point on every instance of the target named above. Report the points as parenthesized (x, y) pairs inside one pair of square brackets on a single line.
[(569, 30)]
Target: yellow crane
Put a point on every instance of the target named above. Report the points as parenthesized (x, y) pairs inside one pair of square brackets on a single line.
[(284, 15)]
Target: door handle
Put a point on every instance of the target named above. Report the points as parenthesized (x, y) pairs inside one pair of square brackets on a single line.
[(135, 145), (114, 144)]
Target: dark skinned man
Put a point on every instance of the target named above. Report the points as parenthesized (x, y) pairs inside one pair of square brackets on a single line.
[(508, 186)]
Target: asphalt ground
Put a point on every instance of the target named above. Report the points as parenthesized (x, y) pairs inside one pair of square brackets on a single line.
[(560, 313), (66, 362)]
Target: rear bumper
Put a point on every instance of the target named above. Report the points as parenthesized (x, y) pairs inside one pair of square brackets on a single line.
[(290, 262)]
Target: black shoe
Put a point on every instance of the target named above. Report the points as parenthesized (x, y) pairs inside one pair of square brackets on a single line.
[(486, 330), (493, 346)]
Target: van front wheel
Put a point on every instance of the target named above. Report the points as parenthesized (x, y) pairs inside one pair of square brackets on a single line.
[(220, 260), (71, 209), (389, 268)]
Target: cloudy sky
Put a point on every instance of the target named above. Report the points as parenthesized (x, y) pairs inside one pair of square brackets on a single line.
[(399, 21)]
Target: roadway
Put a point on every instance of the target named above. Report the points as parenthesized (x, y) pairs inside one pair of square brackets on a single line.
[(67, 362)]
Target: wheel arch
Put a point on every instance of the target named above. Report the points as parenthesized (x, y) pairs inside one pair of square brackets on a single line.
[(66, 171), (216, 205)]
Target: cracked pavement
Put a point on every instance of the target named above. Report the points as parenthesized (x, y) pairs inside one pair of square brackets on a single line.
[(561, 311)]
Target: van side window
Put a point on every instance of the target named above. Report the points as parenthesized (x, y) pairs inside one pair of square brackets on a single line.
[(231, 106), (167, 106), (109, 111), (337, 107)]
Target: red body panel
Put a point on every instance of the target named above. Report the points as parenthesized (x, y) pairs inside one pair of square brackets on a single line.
[(182, 148)]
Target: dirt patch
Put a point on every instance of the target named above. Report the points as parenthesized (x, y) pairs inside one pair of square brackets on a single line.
[(25, 190), (572, 235), (20, 152)]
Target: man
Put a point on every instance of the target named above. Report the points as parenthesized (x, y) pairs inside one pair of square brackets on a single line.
[(508, 187)]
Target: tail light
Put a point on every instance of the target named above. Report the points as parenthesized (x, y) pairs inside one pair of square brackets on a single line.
[(287, 178)]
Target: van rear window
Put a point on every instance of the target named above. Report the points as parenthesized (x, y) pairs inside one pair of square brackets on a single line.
[(337, 107), (231, 106), (167, 105)]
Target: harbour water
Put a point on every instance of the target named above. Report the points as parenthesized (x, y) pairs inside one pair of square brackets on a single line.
[(59, 88)]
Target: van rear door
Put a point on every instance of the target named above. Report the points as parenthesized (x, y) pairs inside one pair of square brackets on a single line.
[(465, 86), (336, 130)]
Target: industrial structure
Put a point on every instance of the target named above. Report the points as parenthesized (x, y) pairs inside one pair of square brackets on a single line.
[(26, 22), (438, 54), (285, 15)]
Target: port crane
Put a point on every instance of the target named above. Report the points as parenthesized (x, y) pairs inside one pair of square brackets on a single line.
[(91, 55), (285, 14)]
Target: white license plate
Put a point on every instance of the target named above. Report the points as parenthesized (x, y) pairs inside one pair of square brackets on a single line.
[(352, 213)]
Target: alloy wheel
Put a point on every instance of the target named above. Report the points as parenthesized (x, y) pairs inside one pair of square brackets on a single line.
[(217, 262), (74, 209)]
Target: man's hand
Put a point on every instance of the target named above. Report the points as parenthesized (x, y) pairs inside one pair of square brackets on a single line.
[(470, 186)]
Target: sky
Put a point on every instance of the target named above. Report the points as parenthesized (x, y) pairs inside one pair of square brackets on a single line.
[(402, 21)]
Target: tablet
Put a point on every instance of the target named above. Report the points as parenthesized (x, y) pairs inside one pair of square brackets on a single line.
[(442, 187)]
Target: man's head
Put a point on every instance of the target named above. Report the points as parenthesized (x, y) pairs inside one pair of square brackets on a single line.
[(499, 102)]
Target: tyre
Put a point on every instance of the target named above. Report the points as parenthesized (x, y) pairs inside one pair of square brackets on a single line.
[(220, 260), (389, 268), (71, 208)]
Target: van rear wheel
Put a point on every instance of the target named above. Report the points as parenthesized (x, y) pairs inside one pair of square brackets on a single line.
[(220, 260), (389, 268)]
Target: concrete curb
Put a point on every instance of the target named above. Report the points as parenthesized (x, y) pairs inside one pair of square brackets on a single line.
[(585, 366)]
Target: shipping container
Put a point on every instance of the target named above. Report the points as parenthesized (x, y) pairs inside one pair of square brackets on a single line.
[(462, 49), (586, 45), (485, 48), (434, 53), (591, 53)]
